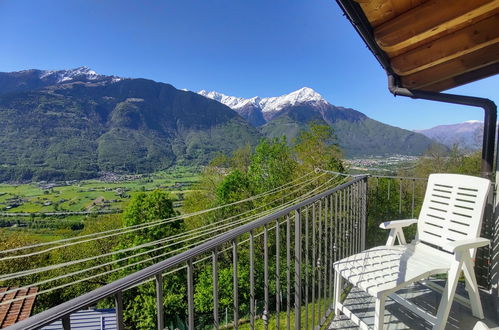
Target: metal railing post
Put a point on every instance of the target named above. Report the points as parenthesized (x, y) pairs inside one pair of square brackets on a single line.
[(214, 256), (160, 312), (365, 224), (314, 261), (288, 272), (252, 280), (235, 284), (306, 267), (118, 301), (266, 314), (190, 294), (66, 322), (277, 275), (297, 270)]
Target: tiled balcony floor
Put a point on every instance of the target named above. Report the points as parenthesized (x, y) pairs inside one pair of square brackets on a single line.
[(398, 317)]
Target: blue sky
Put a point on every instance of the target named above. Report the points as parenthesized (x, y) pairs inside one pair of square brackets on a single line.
[(241, 48)]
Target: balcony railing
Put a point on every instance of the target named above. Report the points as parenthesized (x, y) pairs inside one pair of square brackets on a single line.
[(298, 245)]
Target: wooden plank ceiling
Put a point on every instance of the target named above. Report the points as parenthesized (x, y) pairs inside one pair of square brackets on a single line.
[(435, 45)]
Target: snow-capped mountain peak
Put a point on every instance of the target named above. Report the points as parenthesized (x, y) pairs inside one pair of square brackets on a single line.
[(268, 104), (230, 101), (303, 95), (83, 72)]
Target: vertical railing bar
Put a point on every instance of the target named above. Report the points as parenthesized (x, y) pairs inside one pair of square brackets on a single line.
[(326, 259), (350, 222), (160, 311), (66, 322), (347, 220), (359, 217), (343, 224), (266, 277), (331, 250), (314, 261), (336, 228), (340, 227), (235, 291), (335, 248), (118, 302), (319, 266), (355, 233), (400, 197), (413, 196), (214, 255), (298, 260), (347, 223), (288, 272), (190, 294), (364, 212), (277, 274), (306, 267)]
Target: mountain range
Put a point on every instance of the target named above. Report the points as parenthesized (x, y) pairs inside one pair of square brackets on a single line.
[(357, 134), (73, 124), (467, 135)]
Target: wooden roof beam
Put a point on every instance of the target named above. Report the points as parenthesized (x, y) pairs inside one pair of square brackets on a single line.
[(380, 11), (481, 58), (465, 78), (429, 21), (449, 47)]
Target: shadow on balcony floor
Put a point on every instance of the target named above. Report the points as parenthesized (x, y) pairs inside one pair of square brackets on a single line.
[(398, 317)]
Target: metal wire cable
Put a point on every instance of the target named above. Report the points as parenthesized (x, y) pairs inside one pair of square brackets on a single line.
[(10, 276), (136, 227), (130, 265)]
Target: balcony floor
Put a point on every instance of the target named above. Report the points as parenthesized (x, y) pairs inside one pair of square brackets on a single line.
[(398, 317)]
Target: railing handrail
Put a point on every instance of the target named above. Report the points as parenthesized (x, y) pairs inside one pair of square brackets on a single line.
[(373, 175), (58, 312)]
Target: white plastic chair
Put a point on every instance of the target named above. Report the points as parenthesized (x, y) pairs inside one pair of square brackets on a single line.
[(448, 234)]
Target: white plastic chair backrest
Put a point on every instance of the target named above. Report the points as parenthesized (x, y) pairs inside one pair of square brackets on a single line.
[(452, 209)]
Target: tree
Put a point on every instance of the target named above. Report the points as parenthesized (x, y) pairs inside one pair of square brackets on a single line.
[(456, 161), (272, 165), (140, 301), (316, 147)]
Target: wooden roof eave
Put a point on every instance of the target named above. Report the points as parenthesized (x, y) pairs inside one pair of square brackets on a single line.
[(429, 42)]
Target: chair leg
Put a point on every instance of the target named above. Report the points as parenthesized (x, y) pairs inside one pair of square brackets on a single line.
[(448, 295), (379, 313), (472, 288), (338, 283)]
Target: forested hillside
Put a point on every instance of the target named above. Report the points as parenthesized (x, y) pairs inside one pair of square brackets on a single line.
[(78, 128)]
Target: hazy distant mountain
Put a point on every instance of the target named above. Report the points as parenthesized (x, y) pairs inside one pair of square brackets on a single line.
[(72, 124), (467, 135), (358, 135)]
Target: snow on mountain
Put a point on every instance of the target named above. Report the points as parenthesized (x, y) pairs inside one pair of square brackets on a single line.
[(81, 73), (230, 101), (303, 95), (260, 108)]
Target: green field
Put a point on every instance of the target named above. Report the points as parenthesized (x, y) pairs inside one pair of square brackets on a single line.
[(110, 194)]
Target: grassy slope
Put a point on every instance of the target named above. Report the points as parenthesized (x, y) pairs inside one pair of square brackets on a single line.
[(79, 196)]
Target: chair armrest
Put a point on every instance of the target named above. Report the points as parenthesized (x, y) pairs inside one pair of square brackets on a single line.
[(397, 223), (467, 244)]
